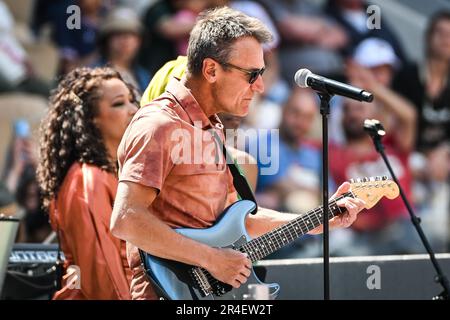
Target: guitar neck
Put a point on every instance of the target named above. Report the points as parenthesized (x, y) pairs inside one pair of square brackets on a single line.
[(264, 245)]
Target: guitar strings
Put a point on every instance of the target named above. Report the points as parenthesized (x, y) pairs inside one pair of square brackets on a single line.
[(300, 221), (277, 235), (213, 281)]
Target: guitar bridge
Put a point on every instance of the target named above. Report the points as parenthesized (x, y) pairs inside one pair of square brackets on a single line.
[(202, 280)]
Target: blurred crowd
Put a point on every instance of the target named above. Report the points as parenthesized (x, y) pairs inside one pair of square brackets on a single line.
[(42, 40)]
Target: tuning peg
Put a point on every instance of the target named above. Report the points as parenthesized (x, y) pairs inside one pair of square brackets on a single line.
[(358, 180), (352, 180), (371, 179), (366, 179), (377, 178), (384, 178)]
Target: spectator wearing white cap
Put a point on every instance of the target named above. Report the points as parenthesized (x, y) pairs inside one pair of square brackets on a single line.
[(379, 56), (386, 229), (373, 67)]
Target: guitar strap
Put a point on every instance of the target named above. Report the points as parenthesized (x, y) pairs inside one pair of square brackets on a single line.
[(240, 183)]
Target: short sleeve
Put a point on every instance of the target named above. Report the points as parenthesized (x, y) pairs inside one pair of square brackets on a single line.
[(145, 153)]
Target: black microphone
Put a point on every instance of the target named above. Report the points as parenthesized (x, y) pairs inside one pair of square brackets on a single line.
[(306, 79)]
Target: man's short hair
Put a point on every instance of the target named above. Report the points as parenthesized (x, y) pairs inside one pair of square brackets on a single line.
[(216, 31)]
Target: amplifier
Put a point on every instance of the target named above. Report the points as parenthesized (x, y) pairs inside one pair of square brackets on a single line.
[(26, 254), (31, 271)]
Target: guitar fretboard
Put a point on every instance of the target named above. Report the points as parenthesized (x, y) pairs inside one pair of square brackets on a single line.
[(264, 245)]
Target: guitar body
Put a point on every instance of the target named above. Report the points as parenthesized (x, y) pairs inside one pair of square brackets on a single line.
[(175, 281)]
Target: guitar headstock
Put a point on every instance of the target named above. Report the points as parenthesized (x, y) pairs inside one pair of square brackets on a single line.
[(372, 189)]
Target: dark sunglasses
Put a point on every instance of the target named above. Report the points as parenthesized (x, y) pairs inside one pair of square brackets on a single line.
[(252, 73)]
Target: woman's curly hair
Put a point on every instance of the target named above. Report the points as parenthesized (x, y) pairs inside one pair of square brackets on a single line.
[(68, 132)]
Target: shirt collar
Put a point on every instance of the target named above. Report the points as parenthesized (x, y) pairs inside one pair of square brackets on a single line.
[(191, 106)]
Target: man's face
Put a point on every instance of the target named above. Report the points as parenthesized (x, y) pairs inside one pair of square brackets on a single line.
[(232, 91), (355, 113), (383, 74), (440, 39), (299, 114)]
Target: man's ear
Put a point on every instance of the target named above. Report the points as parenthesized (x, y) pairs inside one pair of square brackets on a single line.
[(209, 70)]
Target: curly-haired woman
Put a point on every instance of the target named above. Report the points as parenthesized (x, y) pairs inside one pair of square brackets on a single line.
[(89, 112)]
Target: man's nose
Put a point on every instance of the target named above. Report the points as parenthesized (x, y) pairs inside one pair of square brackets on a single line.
[(258, 85)]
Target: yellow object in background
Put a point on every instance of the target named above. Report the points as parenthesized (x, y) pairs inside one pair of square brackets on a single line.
[(157, 86)]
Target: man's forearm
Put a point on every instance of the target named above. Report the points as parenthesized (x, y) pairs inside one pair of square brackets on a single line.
[(150, 234), (266, 220), (404, 113)]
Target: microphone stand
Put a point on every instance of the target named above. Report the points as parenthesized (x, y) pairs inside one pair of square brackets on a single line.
[(376, 131), (326, 88), (325, 112)]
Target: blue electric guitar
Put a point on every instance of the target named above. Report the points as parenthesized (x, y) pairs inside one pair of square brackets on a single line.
[(174, 280)]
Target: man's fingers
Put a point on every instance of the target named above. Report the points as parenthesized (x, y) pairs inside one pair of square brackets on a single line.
[(354, 201), (246, 272), (353, 206), (349, 205), (343, 188), (241, 279), (357, 203)]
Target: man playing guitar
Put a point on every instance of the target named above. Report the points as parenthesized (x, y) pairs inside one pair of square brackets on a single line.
[(160, 190)]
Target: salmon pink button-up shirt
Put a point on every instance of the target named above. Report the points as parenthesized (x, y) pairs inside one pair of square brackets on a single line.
[(167, 146)]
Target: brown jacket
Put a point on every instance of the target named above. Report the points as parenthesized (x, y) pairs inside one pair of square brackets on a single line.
[(82, 214)]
